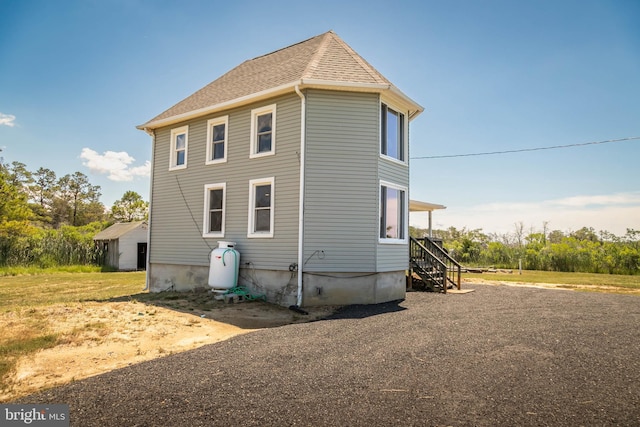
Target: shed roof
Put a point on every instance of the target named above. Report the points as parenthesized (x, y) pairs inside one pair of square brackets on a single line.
[(118, 230), (324, 61)]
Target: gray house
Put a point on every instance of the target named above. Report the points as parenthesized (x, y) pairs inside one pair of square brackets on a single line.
[(300, 157), (124, 245)]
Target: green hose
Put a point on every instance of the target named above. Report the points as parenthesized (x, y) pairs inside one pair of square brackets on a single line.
[(235, 257)]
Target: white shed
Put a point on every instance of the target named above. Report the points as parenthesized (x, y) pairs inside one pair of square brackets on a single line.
[(124, 245)]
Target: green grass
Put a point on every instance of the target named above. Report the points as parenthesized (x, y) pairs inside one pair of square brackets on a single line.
[(54, 288), (588, 279), (34, 270)]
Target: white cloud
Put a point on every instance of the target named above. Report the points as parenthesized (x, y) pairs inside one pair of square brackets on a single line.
[(115, 164), (7, 120), (612, 212), (600, 200)]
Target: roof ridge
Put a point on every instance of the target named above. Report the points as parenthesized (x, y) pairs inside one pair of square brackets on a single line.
[(318, 54), (375, 74), (286, 47)]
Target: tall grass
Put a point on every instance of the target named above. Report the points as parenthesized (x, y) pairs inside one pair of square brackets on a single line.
[(23, 244)]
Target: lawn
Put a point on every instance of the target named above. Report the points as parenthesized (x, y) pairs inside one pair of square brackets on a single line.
[(597, 281), (54, 288)]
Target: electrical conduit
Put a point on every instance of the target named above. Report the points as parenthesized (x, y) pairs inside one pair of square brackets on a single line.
[(147, 272)]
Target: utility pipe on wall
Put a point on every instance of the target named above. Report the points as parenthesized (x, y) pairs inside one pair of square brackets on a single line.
[(152, 133), (303, 143)]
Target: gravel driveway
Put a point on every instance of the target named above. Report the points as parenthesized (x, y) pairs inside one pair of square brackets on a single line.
[(498, 356)]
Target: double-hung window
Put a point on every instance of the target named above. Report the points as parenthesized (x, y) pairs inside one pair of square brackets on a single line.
[(179, 146), (392, 134), (263, 131), (217, 130), (393, 209), (214, 210), (261, 204)]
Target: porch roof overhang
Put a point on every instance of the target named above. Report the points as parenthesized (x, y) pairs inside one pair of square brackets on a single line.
[(418, 206)]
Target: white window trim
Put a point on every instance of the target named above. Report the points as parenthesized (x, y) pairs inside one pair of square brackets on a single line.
[(172, 154), (254, 140), (405, 220), (210, 124), (252, 185), (405, 143), (206, 217)]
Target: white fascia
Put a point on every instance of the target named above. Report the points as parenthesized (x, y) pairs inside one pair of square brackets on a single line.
[(412, 106)]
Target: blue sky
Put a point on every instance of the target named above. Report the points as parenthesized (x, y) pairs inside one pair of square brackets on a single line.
[(76, 77)]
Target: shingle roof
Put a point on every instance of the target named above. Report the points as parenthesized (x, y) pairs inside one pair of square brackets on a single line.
[(117, 230), (323, 58)]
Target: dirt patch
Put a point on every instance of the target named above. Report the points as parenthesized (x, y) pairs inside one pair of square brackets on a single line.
[(96, 337)]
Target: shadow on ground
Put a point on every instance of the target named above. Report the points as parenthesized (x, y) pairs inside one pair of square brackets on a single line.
[(360, 311), (245, 315)]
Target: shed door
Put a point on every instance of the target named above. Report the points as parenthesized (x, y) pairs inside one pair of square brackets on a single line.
[(142, 256)]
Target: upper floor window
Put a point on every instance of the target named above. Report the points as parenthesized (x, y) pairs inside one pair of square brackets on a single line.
[(261, 198), (392, 142), (393, 208), (179, 146), (217, 140), (214, 210), (263, 131)]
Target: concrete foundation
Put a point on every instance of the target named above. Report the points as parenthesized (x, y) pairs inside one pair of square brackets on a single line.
[(281, 287), (171, 277), (352, 288)]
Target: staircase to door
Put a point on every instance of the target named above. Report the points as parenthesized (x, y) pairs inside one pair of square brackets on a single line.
[(436, 269)]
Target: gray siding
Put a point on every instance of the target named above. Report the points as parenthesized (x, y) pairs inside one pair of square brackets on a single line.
[(341, 182), (343, 172), (178, 196)]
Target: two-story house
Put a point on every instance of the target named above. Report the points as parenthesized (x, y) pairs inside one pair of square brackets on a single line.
[(301, 157)]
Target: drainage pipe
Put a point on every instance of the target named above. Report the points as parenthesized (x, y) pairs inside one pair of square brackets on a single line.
[(303, 143), (151, 133)]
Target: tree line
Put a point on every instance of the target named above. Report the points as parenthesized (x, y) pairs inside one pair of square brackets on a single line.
[(49, 221), (584, 250)]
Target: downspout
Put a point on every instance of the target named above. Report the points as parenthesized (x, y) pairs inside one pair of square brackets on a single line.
[(152, 133), (303, 143)]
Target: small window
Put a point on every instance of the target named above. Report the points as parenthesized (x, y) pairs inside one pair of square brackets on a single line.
[(261, 202), (179, 146), (392, 133), (214, 210), (263, 131), (217, 140), (393, 208)]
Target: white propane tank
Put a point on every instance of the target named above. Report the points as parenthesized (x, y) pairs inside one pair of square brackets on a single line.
[(224, 266)]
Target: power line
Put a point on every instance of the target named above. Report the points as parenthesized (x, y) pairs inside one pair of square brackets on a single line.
[(527, 149)]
